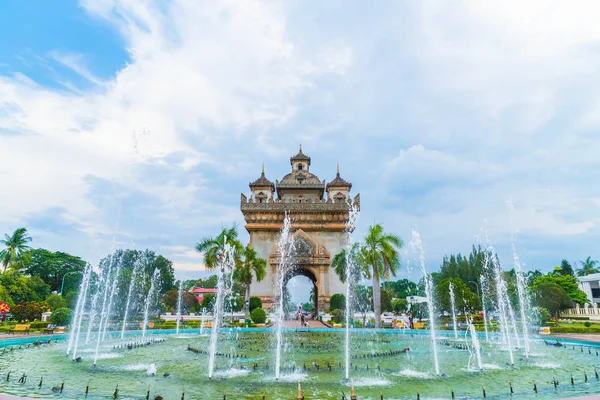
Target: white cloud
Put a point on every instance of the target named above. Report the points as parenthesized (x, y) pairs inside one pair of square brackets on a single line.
[(206, 71)]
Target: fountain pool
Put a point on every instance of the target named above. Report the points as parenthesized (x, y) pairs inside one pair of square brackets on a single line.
[(244, 368)]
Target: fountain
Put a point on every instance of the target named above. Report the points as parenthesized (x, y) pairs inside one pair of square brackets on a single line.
[(523, 301), (484, 290), (202, 319), (78, 320), (179, 306), (418, 246), (286, 247), (251, 361), (476, 344), (453, 306), (105, 284), (226, 261), (85, 281), (150, 299), (350, 272), (136, 269), (502, 299)]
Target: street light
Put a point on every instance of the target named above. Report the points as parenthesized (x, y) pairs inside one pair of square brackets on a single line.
[(63, 280)]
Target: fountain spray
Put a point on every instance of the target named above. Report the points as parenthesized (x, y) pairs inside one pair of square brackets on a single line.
[(136, 268), (353, 214), (86, 279), (418, 246), (179, 306), (523, 300), (107, 275), (502, 299), (453, 306), (150, 299), (80, 305), (226, 261), (286, 247)]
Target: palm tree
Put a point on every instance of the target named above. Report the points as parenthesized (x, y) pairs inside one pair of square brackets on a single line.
[(380, 255), (588, 267), (16, 247), (340, 261), (252, 266), (214, 248)]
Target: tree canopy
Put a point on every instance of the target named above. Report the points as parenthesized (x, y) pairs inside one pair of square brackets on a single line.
[(16, 248), (567, 282), (552, 297)]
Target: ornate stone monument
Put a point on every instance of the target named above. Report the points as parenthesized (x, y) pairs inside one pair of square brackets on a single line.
[(318, 211)]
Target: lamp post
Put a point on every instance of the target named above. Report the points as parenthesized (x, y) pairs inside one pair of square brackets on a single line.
[(478, 291), (63, 280)]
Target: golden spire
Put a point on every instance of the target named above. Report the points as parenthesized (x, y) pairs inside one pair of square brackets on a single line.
[(263, 168), (338, 169), (300, 147)]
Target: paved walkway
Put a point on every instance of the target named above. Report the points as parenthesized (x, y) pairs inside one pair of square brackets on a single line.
[(311, 324), (588, 337)]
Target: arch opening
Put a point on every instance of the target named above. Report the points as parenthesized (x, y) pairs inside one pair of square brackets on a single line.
[(300, 288)]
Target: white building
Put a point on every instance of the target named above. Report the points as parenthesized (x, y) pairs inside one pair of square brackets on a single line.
[(590, 285)]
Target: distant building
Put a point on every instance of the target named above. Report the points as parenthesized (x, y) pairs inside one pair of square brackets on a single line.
[(200, 292), (590, 285)]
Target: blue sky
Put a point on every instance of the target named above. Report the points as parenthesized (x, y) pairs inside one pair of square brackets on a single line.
[(138, 123)]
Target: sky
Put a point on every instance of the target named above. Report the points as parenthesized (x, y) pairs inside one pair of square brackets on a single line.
[(138, 123)]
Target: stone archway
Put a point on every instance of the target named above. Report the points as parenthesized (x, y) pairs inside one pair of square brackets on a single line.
[(310, 259), (294, 272)]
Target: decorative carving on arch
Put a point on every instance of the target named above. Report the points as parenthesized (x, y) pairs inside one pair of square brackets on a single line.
[(307, 251)]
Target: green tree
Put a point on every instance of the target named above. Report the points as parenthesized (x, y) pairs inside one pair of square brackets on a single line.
[(61, 316), (24, 289), (28, 311), (567, 282), (465, 268), (566, 268), (208, 302), (341, 259), (552, 297), (337, 302), (259, 316), (5, 297), (386, 300), (402, 288), (53, 267), (171, 298), (464, 298), (15, 248), (399, 305), (308, 306), (255, 302), (588, 267), (214, 248), (251, 267), (380, 255), (208, 283), (55, 301)]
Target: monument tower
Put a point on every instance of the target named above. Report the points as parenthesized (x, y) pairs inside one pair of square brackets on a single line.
[(318, 212)]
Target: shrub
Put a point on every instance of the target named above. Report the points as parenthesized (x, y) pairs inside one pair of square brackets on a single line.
[(587, 324), (61, 316), (543, 316), (255, 302), (337, 316), (259, 316), (337, 302), (208, 302), (399, 305), (55, 301), (28, 311)]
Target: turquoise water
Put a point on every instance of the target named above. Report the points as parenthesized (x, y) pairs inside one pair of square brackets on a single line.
[(245, 367)]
